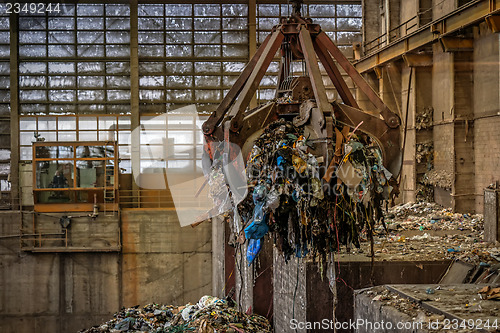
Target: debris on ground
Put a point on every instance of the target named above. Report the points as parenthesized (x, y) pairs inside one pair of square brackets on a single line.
[(427, 231), (210, 314), (466, 302), (431, 216)]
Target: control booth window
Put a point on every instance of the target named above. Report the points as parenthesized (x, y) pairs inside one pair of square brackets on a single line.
[(75, 172)]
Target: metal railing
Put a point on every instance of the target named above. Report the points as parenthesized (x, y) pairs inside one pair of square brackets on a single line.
[(40, 239), (145, 199), (153, 199), (393, 34)]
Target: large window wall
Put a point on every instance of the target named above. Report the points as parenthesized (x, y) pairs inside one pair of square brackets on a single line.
[(75, 61), (190, 53), (340, 20), (4, 105), (74, 73)]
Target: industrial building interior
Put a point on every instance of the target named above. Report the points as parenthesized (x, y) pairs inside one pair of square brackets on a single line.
[(364, 134)]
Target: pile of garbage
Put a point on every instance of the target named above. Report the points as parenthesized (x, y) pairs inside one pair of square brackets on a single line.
[(431, 216), (303, 211), (210, 314)]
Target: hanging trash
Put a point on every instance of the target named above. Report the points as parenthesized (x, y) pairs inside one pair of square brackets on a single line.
[(304, 213), (254, 246)]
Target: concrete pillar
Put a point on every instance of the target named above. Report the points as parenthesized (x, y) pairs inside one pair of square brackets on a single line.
[(443, 132), (218, 256), (408, 175), (453, 128), (463, 186), (486, 111), (371, 21), (134, 93), (390, 86)]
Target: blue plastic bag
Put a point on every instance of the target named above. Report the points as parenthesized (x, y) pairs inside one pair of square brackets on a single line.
[(258, 228), (254, 246)]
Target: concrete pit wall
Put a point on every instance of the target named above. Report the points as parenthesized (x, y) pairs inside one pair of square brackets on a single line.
[(310, 300), (68, 291)]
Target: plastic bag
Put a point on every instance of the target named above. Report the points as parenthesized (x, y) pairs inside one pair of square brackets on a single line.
[(254, 246), (273, 200), (256, 230)]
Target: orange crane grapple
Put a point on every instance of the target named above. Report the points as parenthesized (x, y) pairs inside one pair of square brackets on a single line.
[(299, 39)]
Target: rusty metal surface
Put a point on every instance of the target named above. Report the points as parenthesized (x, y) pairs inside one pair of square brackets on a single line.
[(314, 73), (387, 138), (216, 117), (335, 75), (251, 85), (305, 41), (301, 89)]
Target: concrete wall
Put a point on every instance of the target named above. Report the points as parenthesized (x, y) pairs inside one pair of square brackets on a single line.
[(462, 88), (463, 185), (408, 171), (443, 133), (442, 7), (371, 20), (289, 294), (486, 111), (409, 10), (68, 291)]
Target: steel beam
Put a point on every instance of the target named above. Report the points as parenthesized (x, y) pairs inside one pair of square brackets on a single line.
[(253, 81), (455, 44), (314, 73), (336, 77), (493, 22), (216, 117), (457, 20), (417, 60), (391, 119)]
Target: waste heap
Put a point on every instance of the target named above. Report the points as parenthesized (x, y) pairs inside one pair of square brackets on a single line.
[(303, 212), (431, 216), (210, 314)]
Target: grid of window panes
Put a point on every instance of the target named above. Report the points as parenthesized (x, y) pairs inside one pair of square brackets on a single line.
[(4, 101), (341, 22), (173, 140), (70, 172), (190, 53), (75, 61), (54, 128)]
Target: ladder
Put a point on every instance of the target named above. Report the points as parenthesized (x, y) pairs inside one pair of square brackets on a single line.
[(109, 190)]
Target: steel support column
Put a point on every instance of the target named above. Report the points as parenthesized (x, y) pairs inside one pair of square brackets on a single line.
[(134, 95)]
